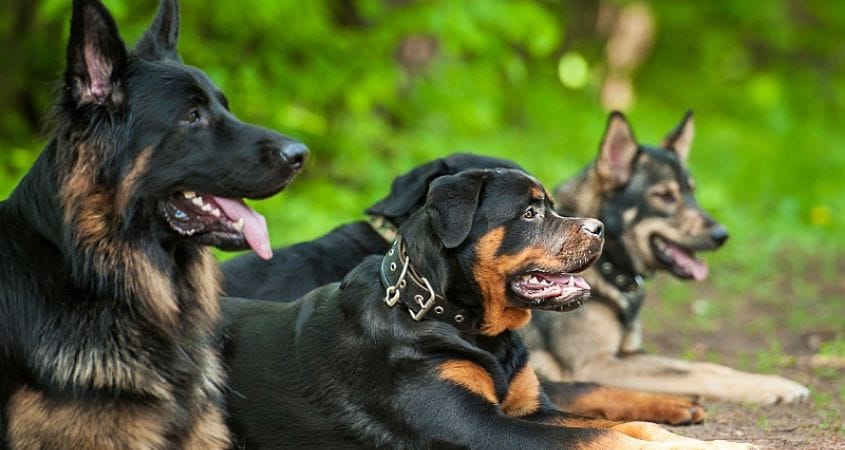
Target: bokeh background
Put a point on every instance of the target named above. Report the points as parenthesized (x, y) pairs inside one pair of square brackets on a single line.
[(377, 86)]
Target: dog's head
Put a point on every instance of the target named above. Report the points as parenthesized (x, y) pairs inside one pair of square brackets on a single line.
[(408, 191), (150, 142), (645, 197), (501, 248)]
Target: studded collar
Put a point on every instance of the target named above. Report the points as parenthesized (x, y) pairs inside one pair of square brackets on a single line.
[(628, 286), (403, 284)]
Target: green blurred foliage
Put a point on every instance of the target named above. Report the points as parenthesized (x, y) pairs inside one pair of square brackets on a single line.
[(377, 86)]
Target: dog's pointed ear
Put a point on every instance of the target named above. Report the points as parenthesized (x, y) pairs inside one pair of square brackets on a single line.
[(96, 57), (159, 41), (680, 139), (451, 204), (407, 192), (617, 153)]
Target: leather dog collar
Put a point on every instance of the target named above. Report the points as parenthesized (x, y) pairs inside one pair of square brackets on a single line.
[(402, 283), (628, 284)]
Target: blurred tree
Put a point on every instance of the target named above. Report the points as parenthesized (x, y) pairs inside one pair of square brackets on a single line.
[(375, 86)]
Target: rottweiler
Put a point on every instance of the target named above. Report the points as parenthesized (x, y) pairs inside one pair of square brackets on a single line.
[(416, 348), (645, 196), (298, 269), (108, 292)]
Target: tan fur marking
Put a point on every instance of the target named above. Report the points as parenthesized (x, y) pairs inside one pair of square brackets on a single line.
[(209, 432), (130, 181), (623, 404), (490, 272), (470, 376), (204, 281), (36, 423), (537, 192), (523, 397)]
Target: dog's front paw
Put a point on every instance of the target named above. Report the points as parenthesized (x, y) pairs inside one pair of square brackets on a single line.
[(691, 444)]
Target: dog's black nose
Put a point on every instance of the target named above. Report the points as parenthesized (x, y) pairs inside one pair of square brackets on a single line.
[(593, 226), (719, 235), (294, 153)]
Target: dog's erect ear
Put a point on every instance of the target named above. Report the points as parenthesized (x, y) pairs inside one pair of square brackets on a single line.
[(407, 192), (159, 41), (617, 153), (96, 56), (680, 139), (451, 204)]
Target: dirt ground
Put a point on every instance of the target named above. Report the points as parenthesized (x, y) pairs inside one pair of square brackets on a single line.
[(779, 330)]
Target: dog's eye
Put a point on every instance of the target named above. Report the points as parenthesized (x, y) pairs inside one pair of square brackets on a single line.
[(667, 196), (193, 116), (529, 213)]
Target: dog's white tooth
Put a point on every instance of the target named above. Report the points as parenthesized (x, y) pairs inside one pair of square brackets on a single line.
[(215, 212), (206, 207), (189, 194), (526, 277), (239, 225), (197, 201), (571, 281)]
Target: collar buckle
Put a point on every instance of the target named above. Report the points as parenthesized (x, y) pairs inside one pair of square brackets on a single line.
[(393, 293), (426, 306)]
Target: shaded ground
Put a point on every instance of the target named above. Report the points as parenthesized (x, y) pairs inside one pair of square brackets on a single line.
[(792, 324)]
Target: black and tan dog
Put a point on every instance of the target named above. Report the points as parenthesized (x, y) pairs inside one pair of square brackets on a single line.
[(298, 269), (108, 294), (416, 349), (644, 195)]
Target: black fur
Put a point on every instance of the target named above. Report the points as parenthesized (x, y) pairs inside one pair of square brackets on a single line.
[(297, 269), (106, 309), (340, 369)]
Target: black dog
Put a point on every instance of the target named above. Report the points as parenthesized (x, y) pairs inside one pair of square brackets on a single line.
[(416, 349), (108, 296), (297, 269)]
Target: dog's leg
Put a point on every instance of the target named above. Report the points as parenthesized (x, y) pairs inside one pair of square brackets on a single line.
[(588, 341), (594, 400), (642, 435), (662, 374)]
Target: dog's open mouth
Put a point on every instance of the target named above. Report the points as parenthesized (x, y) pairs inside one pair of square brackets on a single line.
[(226, 223), (680, 260), (550, 291)]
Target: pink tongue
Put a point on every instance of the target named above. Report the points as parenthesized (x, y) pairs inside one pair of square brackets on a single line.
[(696, 268), (255, 226)]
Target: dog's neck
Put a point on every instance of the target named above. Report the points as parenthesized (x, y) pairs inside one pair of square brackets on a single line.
[(35, 199), (618, 287), (404, 284)]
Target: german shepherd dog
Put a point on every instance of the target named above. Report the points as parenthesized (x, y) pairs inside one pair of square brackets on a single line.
[(415, 349), (108, 293), (644, 195)]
